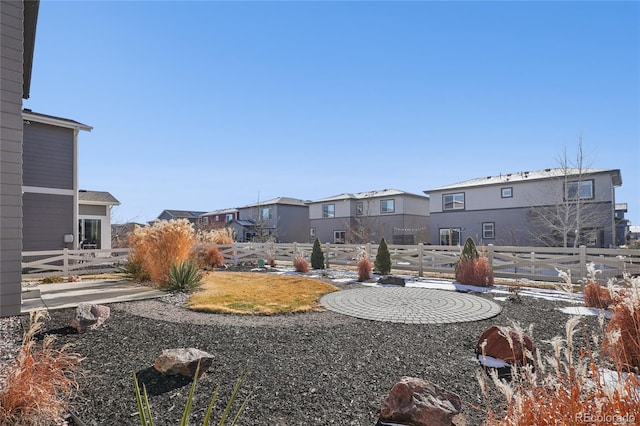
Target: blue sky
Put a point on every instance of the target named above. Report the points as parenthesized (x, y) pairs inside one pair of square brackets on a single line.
[(209, 105)]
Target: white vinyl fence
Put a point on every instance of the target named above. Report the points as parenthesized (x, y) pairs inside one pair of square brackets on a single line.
[(533, 263)]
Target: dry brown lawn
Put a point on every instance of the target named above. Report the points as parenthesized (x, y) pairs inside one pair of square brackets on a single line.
[(258, 293)]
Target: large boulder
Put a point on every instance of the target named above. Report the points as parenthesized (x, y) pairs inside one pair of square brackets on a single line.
[(507, 344), (183, 361), (417, 402), (88, 317)]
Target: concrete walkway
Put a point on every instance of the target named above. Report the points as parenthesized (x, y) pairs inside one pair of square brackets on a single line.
[(410, 305), (70, 295)]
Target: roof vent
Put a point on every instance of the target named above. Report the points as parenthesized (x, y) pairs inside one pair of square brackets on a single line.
[(547, 170)]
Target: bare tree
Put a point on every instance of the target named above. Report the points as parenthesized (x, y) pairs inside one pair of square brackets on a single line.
[(566, 217), (365, 227), (263, 224)]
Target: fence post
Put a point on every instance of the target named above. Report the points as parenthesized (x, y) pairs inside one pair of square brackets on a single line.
[(490, 256), (235, 254), (368, 248), (532, 260), (420, 258), (327, 251), (583, 262), (65, 261)]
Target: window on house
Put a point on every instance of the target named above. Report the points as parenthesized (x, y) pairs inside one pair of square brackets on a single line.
[(359, 208), (265, 213), (387, 206), (312, 233), (449, 236), (229, 217), (506, 192), (89, 233), (328, 210), (339, 237), (453, 201), (217, 218), (488, 230), (582, 190)]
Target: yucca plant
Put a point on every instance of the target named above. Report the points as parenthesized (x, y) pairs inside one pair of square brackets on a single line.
[(184, 276), (144, 408)]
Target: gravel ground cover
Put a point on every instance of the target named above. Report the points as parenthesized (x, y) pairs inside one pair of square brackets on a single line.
[(319, 368)]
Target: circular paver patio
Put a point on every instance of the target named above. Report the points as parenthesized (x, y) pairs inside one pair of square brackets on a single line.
[(410, 305)]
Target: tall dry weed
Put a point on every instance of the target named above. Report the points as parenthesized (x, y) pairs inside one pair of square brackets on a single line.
[(622, 340), (215, 236), (39, 382), (156, 247)]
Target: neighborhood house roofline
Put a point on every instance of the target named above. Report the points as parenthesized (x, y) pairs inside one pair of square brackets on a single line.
[(221, 211), (183, 213), (279, 200), (97, 198), (503, 179), (368, 194), (28, 115)]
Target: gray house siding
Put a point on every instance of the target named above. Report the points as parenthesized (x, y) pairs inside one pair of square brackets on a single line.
[(90, 210), (48, 156), (292, 223), (511, 215), (11, 92), (47, 235)]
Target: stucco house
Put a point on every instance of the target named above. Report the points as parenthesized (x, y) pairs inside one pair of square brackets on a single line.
[(398, 216), (17, 39), (531, 208), (281, 219)]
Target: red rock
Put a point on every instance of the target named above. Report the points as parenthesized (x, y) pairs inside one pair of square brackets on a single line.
[(420, 403), (498, 346), (183, 361)]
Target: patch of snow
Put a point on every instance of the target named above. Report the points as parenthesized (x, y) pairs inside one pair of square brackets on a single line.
[(500, 299), (492, 362), (611, 379), (585, 311)]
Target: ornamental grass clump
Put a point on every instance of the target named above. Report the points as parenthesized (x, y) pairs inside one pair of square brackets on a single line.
[(209, 258), (622, 340), (365, 268), (566, 388), (154, 248), (382, 264), (40, 381), (301, 264)]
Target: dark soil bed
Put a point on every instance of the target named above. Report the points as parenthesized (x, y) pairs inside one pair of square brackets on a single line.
[(310, 369)]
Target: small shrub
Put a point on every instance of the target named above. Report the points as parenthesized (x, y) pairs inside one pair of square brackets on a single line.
[(74, 278), (301, 264), (382, 263), (184, 277), (144, 408), (317, 256), (271, 261), (210, 258), (364, 269), (596, 296), (469, 250), (53, 279), (39, 383), (474, 272)]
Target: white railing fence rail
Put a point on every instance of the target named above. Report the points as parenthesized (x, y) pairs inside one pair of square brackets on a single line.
[(533, 263)]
